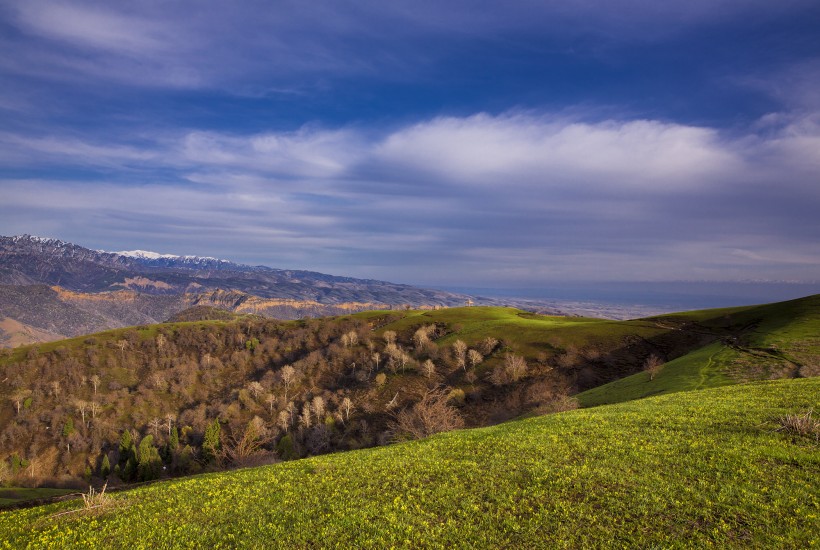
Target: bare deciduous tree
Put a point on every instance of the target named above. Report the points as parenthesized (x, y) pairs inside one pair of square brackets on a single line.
[(428, 368), (82, 407), (20, 397), (122, 344), (283, 420), (255, 389), (474, 358), (512, 370), (350, 339), (653, 366), (460, 354), (318, 406), (247, 449), (487, 345), (154, 425), (389, 336), (288, 374), (305, 418), (421, 338), (431, 415), (347, 406), (398, 357), (169, 422)]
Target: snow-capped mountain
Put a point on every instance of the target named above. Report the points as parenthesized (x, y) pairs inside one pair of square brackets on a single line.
[(155, 259), (64, 289)]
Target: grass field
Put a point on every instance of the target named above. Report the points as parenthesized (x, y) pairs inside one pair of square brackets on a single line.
[(698, 370), (527, 333), (690, 469), (13, 495), (781, 340)]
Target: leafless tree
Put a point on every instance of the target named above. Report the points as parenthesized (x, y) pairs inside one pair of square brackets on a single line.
[(398, 357), (512, 370), (389, 336), (283, 420), (169, 422), (431, 415), (20, 397), (471, 377), (653, 366), (288, 374), (318, 406), (247, 449), (122, 344), (460, 353), (95, 381), (305, 418), (428, 368), (347, 406), (255, 389), (474, 358), (421, 338), (487, 345), (82, 407), (350, 339), (154, 425)]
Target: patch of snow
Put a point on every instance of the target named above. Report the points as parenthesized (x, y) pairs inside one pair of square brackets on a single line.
[(146, 255), (40, 240)]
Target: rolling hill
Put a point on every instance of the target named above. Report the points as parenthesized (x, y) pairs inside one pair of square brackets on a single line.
[(711, 468), (313, 386)]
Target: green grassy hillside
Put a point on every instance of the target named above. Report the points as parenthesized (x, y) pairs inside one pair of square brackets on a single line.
[(770, 341), (704, 469)]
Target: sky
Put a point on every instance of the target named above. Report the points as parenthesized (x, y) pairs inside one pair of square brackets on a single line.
[(462, 143)]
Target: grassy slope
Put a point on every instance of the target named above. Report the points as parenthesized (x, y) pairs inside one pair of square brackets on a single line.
[(784, 333), (697, 370), (688, 469), (14, 495), (526, 332)]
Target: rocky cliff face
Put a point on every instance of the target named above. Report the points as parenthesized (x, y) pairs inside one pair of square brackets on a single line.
[(55, 288)]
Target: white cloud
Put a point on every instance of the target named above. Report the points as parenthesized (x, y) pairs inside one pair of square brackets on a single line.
[(95, 27), (305, 153), (463, 199), (512, 149), (70, 150)]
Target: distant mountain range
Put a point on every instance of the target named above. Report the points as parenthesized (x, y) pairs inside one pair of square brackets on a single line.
[(51, 289)]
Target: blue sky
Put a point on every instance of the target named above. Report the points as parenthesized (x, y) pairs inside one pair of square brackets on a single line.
[(496, 144)]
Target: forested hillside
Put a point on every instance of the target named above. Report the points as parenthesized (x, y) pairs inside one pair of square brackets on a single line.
[(177, 398)]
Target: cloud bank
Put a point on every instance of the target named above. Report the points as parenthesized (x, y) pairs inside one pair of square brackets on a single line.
[(517, 197)]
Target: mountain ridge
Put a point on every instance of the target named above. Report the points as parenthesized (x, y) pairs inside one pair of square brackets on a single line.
[(51, 286)]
